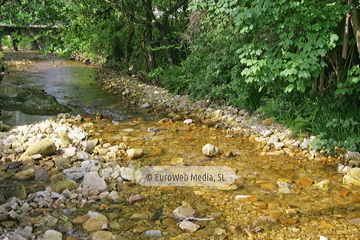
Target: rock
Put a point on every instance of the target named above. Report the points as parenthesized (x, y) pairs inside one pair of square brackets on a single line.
[(62, 162), (135, 198), (153, 233), (25, 232), (43, 147), (63, 136), (127, 174), (279, 145), (324, 185), (93, 181), (88, 146), (95, 223), (352, 177), (34, 102), (349, 155), (268, 122), (75, 173), (268, 186), (304, 182), (272, 140), (115, 196), (70, 152), (210, 150), (183, 212), (145, 105), (26, 174), (305, 144), (343, 169), (265, 221), (59, 187), (102, 235), (354, 163), (52, 235), (177, 161), (245, 198), (134, 153), (188, 121), (189, 227), (140, 216)]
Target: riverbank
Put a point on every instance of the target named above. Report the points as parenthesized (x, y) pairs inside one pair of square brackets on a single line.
[(275, 138), (73, 176)]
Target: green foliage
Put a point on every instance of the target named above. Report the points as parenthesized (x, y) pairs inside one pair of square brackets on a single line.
[(335, 124), (351, 84)]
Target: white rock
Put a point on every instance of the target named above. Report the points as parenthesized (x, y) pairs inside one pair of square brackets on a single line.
[(189, 227), (188, 121), (93, 181), (210, 150)]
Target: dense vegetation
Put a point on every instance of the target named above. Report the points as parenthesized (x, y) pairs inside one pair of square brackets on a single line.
[(297, 61)]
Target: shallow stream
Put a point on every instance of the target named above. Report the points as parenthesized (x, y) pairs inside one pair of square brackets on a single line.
[(274, 197)]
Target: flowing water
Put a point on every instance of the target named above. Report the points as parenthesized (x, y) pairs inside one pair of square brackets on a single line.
[(284, 201), (71, 83)]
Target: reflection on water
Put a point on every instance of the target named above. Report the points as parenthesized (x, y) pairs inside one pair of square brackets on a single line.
[(71, 83)]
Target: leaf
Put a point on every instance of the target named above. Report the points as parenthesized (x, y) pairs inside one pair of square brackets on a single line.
[(288, 71), (289, 88), (303, 74)]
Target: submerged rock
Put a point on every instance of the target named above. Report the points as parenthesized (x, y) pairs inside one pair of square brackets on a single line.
[(33, 102), (352, 177)]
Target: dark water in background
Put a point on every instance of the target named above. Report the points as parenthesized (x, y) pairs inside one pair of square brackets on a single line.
[(71, 83)]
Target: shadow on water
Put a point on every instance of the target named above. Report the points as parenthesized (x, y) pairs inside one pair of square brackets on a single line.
[(72, 83)]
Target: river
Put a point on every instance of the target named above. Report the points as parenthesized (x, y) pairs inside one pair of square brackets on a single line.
[(72, 83), (274, 196)]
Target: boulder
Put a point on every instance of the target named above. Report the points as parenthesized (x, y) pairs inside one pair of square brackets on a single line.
[(43, 147), (33, 102), (26, 174), (95, 223), (134, 153), (210, 150), (52, 235), (352, 177), (93, 181)]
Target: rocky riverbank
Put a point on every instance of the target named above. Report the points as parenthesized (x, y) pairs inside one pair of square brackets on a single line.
[(180, 108), (73, 176), (61, 177)]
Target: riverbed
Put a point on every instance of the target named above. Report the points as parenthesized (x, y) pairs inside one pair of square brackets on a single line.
[(278, 192)]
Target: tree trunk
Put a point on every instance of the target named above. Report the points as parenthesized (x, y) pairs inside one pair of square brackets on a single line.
[(346, 37), (128, 40), (356, 26), (151, 55), (163, 31)]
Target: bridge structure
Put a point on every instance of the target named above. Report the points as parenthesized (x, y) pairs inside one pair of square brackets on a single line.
[(30, 31)]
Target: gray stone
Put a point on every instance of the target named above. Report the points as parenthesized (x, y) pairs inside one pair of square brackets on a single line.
[(153, 233), (93, 181), (75, 173)]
